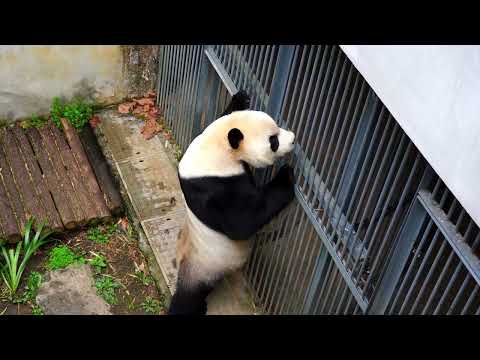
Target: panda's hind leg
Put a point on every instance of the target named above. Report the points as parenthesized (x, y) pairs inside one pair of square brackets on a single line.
[(190, 301), (190, 297)]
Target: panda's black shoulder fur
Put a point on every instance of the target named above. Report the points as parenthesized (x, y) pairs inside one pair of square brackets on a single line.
[(234, 205)]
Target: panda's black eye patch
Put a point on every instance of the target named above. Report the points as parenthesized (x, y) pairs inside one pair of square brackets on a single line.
[(274, 142)]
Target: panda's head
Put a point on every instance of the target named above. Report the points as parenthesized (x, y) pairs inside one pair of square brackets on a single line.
[(255, 138), (242, 136)]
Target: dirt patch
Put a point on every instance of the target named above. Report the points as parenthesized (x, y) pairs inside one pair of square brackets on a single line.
[(136, 294)]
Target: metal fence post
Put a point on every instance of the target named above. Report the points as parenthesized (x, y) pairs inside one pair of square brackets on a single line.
[(200, 94), (278, 92), (279, 81), (399, 256)]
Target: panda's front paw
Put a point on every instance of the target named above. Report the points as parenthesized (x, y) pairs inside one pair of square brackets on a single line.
[(285, 175), (241, 101)]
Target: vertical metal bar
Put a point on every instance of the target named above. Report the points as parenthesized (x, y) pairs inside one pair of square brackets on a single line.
[(412, 265), (312, 117), (327, 279), (434, 265), (354, 165), (159, 72), (280, 252), (293, 254), (337, 121), (342, 300), (393, 165), (272, 239), (352, 149), (305, 97), (327, 110), (282, 77), (453, 278), (163, 83), (237, 61), (261, 75), (367, 188), (178, 79), (171, 107), (318, 272), (345, 146), (472, 296), (193, 91), (200, 94), (301, 275), (169, 78), (181, 139), (424, 260), (427, 177), (250, 87)]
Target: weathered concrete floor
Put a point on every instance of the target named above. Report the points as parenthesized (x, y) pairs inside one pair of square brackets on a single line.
[(70, 291), (149, 178)]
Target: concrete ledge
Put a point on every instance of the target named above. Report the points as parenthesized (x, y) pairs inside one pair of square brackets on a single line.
[(150, 187)]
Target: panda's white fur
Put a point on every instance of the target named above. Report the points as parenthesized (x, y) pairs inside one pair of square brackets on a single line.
[(211, 253), (205, 255)]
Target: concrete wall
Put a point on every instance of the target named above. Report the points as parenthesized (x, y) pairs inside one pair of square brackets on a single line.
[(30, 76), (434, 93)]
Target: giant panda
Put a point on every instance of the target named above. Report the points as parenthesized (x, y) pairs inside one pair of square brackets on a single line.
[(224, 206)]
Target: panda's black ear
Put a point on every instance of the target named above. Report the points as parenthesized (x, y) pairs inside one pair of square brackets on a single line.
[(234, 138)]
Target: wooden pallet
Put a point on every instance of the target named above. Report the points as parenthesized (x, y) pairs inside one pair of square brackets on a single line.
[(46, 173)]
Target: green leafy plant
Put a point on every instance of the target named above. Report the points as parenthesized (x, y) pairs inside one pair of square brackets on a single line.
[(56, 112), (99, 262), (37, 121), (77, 112), (100, 236), (96, 235), (151, 305), (106, 286), (34, 281), (13, 268), (62, 256), (145, 279), (37, 310)]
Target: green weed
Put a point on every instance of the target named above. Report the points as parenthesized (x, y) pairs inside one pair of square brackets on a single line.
[(144, 279), (37, 310), (99, 262), (13, 268), (62, 256), (34, 281), (106, 286), (77, 112), (96, 234), (152, 306)]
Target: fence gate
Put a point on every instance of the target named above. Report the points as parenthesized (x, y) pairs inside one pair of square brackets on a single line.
[(373, 229)]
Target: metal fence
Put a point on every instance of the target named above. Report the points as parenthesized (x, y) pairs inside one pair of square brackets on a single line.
[(373, 229)]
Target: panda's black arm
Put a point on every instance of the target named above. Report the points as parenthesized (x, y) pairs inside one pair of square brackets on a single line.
[(249, 211)]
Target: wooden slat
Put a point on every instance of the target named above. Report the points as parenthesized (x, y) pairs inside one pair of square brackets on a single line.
[(87, 172), (9, 228), (102, 171), (55, 184), (22, 178), (75, 175), (43, 193), (9, 185), (62, 175)]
